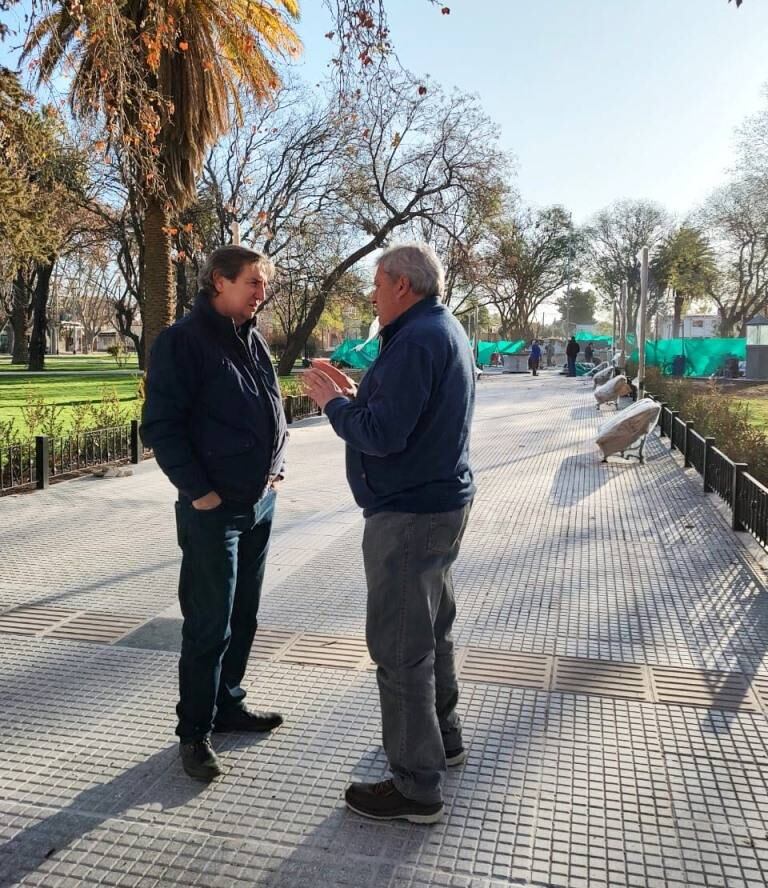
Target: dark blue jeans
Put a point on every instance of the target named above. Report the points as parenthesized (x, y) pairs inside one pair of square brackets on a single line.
[(222, 571), (571, 366), (410, 615)]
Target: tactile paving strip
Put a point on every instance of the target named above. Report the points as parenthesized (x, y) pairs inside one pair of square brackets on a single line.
[(699, 687), (52, 622), (568, 675), (32, 620), (270, 643), (309, 649), (606, 678), (500, 667)]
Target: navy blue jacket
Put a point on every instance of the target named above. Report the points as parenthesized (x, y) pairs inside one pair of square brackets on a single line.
[(407, 430), (213, 415)]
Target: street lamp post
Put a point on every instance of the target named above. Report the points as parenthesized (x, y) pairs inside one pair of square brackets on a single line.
[(643, 318)]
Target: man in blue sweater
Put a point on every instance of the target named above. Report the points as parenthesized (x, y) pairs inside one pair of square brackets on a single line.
[(214, 418), (407, 436)]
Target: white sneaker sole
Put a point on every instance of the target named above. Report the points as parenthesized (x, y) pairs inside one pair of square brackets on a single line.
[(457, 759), (411, 818)]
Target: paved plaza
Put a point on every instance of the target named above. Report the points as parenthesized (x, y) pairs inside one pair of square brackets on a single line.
[(613, 637)]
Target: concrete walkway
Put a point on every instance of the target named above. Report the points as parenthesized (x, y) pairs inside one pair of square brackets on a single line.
[(613, 637)]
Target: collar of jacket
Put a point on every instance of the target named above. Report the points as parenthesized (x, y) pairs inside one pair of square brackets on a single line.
[(423, 305), (220, 322)]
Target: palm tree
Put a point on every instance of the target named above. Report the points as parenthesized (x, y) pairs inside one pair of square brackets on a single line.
[(686, 265), (162, 75)]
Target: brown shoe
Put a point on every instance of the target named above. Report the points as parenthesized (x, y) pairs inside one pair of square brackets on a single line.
[(382, 801)]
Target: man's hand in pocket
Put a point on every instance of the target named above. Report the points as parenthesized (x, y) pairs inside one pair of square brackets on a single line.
[(205, 503)]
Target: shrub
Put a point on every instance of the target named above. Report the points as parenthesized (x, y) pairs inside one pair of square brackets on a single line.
[(51, 423), (9, 434), (81, 418), (119, 354), (291, 386), (108, 412), (712, 415), (33, 411)]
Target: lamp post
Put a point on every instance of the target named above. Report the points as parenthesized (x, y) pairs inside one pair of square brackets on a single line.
[(643, 314)]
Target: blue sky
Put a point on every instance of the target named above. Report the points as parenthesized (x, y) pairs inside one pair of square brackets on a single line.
[(597, 99)]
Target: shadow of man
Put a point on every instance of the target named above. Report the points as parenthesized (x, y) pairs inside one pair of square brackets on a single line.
[(143, 783)]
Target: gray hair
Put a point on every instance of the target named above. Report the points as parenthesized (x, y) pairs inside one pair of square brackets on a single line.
[(419, 263), (228, 262)]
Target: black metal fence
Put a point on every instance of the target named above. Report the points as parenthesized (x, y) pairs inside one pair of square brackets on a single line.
[(751, 507), (697, 448), (745, 495), (299, 407), (17, 466), (35, 463)]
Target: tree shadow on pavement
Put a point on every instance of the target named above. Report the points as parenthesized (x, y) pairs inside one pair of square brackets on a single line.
[(345, 849)]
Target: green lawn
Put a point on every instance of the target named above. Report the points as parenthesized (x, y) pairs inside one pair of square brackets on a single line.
[(758, 411), (72, 364), (68, 389), (64, 389)]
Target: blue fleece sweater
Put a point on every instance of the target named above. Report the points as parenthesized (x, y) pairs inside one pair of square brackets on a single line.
[(407, 430)]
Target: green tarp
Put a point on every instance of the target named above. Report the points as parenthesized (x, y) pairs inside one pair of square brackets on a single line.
[(357, 359), (594, 338), (702, 357), (504, 347)]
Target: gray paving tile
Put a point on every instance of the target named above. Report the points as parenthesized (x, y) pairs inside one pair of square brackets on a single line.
[(563, 555)]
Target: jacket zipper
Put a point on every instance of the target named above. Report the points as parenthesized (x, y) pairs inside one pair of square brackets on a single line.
[(252, 364)]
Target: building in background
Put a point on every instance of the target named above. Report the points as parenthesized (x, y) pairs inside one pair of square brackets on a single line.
[(692, 326)]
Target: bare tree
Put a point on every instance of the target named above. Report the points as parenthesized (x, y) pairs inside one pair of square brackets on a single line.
[(301, 271), (88, 290), (410, 157), (278, 165), (614, 239), (527, 257), (736, 220), (460, 233)]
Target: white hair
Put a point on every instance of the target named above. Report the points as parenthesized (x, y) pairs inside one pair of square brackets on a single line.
[(419, 263)]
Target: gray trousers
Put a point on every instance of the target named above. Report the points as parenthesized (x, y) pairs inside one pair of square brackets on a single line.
[(411, 609)]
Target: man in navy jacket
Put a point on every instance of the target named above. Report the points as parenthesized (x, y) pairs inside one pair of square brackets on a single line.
[(214, 418), (407, 436)]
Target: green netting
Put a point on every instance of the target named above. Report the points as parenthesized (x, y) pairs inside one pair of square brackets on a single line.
[(357, 359), (595, 338), (701, 357), (504, 347)]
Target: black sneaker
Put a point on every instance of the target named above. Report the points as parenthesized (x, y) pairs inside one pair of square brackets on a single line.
[(243, 719), (454, 757), (382, 801), (199, 760)]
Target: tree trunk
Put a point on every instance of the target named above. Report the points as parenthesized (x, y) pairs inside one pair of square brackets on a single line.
[(160, 290), (677, 315), (296, 341), (40, 315), (181, 289), (19, 320)]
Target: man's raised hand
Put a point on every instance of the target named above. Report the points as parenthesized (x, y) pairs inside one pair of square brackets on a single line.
[(347, 385)]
